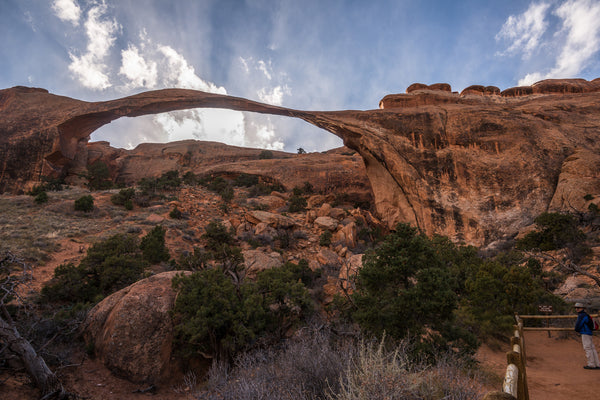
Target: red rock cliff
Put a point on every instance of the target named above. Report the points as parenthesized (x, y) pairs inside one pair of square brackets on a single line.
[(476, 166)]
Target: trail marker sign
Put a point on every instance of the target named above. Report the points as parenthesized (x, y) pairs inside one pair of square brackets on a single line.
[(546, 309)]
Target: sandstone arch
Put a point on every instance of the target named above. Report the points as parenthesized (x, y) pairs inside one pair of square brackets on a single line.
[(475, 168)]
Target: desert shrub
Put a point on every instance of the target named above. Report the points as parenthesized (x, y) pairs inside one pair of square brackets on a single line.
[(404, 289), (153, 246), (305, 367), (265, 155), (124, 195), (315, 365), (215, 317), (594, 209), (588, 197), (297, 203), (218, 313), (168, 180), (556, 231), (84, 203), (108, 266), (246, 180), (189, 178), (41, 198), (325, 238), (217, 234), (194, 261), (377, 373), (98, 176), (301, 150), (264, 189), (48, 185), (285, 296), (175, 213)]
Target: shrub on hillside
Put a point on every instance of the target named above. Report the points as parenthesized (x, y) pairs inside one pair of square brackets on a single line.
[(123, 197), (98, 176), (108, 266), (297, 203), (153, 246), (265, 155), (41, 198), (218, 313), (84, 203), (556, 231)]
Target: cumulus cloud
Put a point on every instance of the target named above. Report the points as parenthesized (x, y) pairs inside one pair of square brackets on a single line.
[(138, 71), (89, 68), (525, 31), (180, 74), (574, 43), (274, 95), (67, 10)]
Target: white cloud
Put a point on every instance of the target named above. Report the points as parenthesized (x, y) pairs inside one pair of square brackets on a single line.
[(265, 68), (90, 68), (67, 10), (136, 69), (525, 31), (180, 74), (581, 21), (579, 40), (273, 96)]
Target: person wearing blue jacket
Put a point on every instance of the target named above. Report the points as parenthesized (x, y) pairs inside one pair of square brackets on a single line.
[(585, 327)]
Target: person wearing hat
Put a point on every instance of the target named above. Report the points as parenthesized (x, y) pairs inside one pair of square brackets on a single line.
[(585, 327)]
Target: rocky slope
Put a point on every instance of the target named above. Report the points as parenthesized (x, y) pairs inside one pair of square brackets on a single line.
[(476, 166)]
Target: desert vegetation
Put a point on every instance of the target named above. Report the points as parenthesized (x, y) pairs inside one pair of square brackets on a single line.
[(405, 324)]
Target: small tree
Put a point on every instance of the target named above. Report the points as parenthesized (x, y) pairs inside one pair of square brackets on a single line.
[(153, 246), (98, 176), (84, 203)]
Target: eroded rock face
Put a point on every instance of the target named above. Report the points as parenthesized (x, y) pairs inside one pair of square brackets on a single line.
[(476, 167)]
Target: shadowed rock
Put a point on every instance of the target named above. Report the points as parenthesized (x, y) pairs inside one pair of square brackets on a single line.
[(476, 168)]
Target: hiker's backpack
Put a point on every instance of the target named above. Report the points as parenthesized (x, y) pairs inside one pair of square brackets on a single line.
[(593, 323)]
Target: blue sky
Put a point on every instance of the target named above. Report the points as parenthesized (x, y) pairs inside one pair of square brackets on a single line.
[(309, 54)]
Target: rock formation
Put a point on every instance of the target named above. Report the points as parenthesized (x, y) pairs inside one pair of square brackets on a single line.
[(475, 166), (132, 331)]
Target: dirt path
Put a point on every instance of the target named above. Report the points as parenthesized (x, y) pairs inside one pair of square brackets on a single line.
[(554, 367)]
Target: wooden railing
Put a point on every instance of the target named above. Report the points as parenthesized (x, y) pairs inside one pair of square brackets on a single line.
[(515, 379)]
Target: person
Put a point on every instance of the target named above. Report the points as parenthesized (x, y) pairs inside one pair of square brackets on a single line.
[(585, 327)]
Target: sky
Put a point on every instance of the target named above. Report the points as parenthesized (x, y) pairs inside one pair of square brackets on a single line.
[(307, 55)]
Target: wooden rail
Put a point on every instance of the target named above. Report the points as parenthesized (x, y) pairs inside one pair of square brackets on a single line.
[(515, 379)]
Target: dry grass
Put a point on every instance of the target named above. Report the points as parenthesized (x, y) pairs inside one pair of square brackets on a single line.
[(320, 366)]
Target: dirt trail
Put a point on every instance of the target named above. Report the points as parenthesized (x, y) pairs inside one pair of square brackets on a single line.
[(554, 367)]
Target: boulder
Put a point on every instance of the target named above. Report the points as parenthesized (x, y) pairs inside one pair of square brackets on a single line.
[(257, 260), (271, 219), (132, 331), (326, 223)]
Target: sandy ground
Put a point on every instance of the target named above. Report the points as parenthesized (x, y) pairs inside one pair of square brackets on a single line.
[(554, 367)]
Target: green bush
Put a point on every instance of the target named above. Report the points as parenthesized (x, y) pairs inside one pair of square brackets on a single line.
[(325, 238), (556, 231), (84, 203), (216, 234), (220, 316), (108, 266), (41, 197), (195, 261), (175, 213), (246, 180), (265, 155), (215, 317), (297, 203), (153, 246), (189, 178), (99, 176), (404, 289), (124, 195), (48, 185)]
